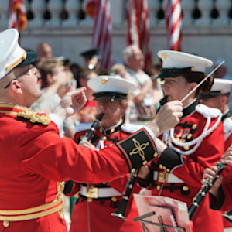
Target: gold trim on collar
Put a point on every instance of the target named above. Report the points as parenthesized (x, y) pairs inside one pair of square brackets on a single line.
[(15, 63), (11, 106), (26, 113), (9, 112)]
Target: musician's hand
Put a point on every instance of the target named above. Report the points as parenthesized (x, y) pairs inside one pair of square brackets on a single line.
[(88, 145), (227, 157), (71, 103), (167, 117), (208, 174), (143, 172)]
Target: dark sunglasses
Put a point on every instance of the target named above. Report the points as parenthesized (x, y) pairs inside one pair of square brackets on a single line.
[(31, 67)]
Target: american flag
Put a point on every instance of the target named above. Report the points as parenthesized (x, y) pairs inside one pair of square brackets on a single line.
[(17, 14), (174, 25), (102, 32), (138, 27)]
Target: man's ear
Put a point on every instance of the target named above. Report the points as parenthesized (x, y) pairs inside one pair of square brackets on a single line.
[(193, 85), (124, 105), (49, 79), (15, 86), (223, 100)]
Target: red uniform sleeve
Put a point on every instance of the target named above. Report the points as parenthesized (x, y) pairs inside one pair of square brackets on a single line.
[(61, 159), (224, 200)]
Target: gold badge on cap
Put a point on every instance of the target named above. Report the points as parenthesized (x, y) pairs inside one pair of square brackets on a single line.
[(164, 55), (192, 68), (104, 80)]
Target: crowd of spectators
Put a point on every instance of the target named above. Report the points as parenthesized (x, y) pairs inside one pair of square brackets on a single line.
[(57, 76)]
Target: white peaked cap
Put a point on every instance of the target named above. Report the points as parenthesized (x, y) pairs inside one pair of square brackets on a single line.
[(106, 87), (221, 85), (179, 60), (12, 55)]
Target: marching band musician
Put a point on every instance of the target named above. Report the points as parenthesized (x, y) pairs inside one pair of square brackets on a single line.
[(92, 212), (34, 159), (218, 97), (195, 143), (220, 192)]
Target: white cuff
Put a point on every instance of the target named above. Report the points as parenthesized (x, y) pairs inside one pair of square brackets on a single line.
[(150, 133), (59, 123)]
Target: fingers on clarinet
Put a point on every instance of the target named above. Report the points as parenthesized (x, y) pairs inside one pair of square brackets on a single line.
[(227, 161), (213, 168), (207, 176)]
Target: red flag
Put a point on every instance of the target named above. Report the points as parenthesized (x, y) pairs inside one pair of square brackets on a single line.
[(102, 32), (17, 14), (138, 27), (174, 24)]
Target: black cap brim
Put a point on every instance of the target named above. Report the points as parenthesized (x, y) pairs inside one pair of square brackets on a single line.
[(174, 72), (213, 94), (31, 57), (109, 96), (166, 75)]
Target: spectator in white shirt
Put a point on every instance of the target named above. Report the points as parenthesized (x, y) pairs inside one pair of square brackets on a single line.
[(134, 61)]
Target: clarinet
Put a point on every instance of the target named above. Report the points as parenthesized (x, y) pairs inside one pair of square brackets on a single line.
[(95, 124), (204, 190), (228, 216), (69, 184), (120, 212)]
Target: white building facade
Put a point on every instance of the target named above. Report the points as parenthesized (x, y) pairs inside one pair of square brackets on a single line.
[(207, 27)]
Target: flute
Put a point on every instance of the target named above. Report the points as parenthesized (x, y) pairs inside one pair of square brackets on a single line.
[(69, 184), (204, 190)]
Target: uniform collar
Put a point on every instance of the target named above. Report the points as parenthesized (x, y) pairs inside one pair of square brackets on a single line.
[(111, 130), (11, 109), (25, 113), (227, 114), (187, 109), (190, 108)]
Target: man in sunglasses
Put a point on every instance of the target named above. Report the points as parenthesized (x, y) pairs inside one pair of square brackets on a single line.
[(34, 160)]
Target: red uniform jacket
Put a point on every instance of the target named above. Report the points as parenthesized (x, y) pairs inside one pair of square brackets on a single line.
[(227, 123), (34, 158), (196, 143), (96, 215)]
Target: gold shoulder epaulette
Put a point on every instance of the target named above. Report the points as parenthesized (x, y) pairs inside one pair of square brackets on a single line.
[(34, 117)]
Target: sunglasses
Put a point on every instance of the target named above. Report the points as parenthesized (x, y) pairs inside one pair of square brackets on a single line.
[(25, 72)]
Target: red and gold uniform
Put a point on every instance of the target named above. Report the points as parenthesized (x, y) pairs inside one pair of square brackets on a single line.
[(92, 212), (196, 143), (34, 159), (227, 123)]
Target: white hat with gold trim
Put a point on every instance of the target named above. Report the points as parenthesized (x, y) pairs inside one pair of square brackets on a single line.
[(110, 88), (176, 63), (12, 55)]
